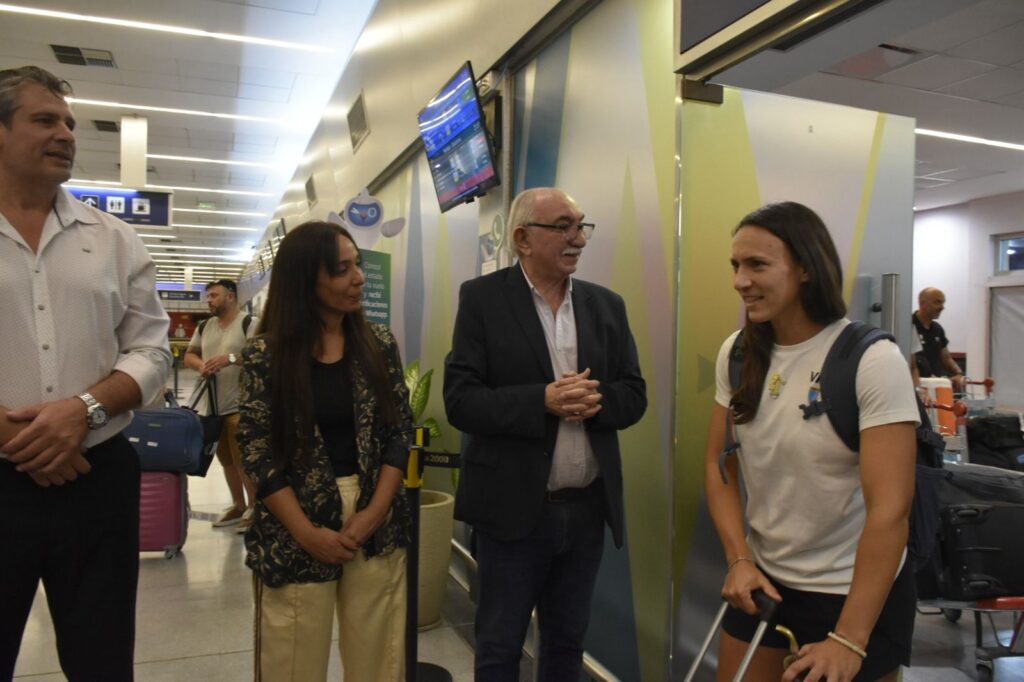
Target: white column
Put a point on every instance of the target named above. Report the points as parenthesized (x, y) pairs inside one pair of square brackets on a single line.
[(188, 278), (134, 134)]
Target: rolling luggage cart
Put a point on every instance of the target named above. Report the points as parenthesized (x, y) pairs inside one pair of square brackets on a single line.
[(985, 655), (978, 397)]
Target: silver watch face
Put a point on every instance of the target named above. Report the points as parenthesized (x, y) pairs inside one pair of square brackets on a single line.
[(98, 417)]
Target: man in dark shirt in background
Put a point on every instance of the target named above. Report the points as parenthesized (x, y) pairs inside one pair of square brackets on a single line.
[(933, 360)]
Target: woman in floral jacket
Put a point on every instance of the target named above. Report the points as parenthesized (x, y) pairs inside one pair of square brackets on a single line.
[(324, 429)]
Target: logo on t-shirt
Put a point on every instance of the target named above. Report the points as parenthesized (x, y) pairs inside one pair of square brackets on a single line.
[(814, 390)]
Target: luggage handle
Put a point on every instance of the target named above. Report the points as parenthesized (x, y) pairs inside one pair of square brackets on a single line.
[(768, 611)]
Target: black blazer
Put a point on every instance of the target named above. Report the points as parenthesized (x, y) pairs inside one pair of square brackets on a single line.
[(494, 383)]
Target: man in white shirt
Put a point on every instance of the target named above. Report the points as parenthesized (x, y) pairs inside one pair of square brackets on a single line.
[(84, 340), (216, 353)]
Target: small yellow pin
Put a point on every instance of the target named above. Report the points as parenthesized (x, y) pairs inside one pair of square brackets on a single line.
[(775, 384)]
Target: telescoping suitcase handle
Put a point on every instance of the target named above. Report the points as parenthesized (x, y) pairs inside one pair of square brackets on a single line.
[(767, 608)]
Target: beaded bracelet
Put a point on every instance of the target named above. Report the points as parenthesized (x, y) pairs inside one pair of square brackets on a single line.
[(737, 560), (848, 644)]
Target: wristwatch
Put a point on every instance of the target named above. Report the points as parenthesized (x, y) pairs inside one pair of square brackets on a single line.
[(232, 358), (96, 416)]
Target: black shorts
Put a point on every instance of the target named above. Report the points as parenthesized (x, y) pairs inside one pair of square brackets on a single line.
[(812, 615)]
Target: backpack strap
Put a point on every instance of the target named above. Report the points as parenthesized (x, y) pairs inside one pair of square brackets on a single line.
[(838, 381), (735, 368), (202, 326)]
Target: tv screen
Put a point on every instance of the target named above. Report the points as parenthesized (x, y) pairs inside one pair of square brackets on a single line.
[(455, 137)]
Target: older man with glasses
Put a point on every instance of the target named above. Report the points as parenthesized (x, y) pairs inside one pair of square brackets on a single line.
[(542, 375)]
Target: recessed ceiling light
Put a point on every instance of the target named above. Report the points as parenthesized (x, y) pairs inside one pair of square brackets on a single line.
[(158, 236), (170, 110), (204, 210), (199, 159), (164, 28), (164, 258), (969, 138), (217, 227), (195, 248)]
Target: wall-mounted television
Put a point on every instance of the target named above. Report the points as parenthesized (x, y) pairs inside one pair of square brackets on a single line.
[(455, 137)]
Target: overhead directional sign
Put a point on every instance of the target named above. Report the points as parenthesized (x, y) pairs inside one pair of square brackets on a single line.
[(135, 206), (172, 295)]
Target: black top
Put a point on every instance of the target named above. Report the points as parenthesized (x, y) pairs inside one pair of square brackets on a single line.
[(335, 415), (933, 340)]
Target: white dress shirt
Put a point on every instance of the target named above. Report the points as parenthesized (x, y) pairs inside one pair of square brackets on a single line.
[(81, 307), (573, 464)]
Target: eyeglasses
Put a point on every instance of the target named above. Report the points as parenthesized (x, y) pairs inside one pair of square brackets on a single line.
[(570, 231)]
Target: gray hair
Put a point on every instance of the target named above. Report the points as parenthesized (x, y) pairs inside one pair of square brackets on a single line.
[(11, 80), (522, 211)]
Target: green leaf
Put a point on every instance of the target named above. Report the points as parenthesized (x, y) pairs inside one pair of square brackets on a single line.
[(420, 395), (435, 428), (412, 375)]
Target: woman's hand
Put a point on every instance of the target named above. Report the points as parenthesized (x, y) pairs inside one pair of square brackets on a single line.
[(824, 660), (742, 579), (326, 546), (358, 528)]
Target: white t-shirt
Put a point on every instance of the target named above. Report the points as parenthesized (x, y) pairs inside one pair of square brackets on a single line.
[(805, 505), (216, 341)]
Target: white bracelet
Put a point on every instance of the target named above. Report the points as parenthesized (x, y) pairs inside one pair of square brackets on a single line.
[(848, 644)]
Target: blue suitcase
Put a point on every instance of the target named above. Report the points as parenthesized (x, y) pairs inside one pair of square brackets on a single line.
[(170, 439)]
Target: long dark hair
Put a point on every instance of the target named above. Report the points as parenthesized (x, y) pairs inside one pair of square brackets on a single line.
[(821, 296), (293, 326)]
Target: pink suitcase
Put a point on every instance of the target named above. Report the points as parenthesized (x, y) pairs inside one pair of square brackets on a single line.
[(163, 512)]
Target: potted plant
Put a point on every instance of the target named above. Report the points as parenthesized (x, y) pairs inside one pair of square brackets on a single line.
[(436, 510)]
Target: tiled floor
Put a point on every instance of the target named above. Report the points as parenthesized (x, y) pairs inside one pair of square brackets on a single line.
[(195, 612)]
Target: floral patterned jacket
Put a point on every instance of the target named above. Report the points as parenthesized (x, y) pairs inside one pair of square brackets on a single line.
[(271, 551)]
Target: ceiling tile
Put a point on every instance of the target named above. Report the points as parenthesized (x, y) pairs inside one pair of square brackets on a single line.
[(242, 204), (1004, 47), (204, 86), (272, 78), (935, 72), (989, 86), (145, 79), (294, 6), (247, 178), (954, 29), (965, 173), (133, 60), (264, 94), (227, 73), (1015, 100)]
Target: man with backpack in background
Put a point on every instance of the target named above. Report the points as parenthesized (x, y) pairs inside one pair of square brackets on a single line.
[(216, 353)]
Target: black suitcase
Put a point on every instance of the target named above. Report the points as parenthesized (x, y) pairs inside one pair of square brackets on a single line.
[(982, 552)]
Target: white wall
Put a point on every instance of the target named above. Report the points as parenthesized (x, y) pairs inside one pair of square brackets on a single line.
[(955, 250), (941, 238)]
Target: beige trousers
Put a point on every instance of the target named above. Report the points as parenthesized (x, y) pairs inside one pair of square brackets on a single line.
[(294, 622)]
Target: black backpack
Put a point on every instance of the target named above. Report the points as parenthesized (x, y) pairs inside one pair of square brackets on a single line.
[(838, 401), (246, 321)]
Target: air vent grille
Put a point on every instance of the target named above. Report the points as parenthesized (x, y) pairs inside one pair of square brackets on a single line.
[(358, 125), (83, 56), (107, 126), (310, 191)]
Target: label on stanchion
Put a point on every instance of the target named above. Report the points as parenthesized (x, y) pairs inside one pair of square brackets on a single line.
[(412, 470), (449, 460)]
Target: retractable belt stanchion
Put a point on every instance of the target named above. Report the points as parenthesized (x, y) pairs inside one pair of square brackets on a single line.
[(416, 671)]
